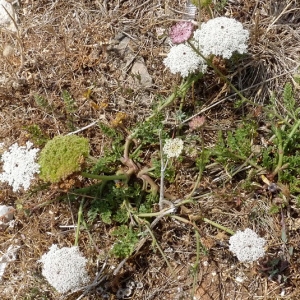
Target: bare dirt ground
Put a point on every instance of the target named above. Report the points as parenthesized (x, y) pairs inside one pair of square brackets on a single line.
[(93, 50)]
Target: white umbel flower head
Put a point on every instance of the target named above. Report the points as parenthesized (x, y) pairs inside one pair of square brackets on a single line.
[(65, 268), (19, 166), (184, 60), (247, 245), (173, 147), (221, 36)]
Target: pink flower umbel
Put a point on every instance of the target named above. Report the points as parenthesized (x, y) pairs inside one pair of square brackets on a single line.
[(196, 122), (181, 32)]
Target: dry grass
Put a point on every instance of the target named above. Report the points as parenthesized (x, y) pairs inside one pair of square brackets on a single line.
[(91, 45)]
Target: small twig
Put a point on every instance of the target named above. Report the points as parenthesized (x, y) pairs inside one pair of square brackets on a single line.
[(96, 282), (83, 128), (279, 16), (284, 237)]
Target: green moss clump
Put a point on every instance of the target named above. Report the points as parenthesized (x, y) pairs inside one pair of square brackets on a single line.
[(62, 156)]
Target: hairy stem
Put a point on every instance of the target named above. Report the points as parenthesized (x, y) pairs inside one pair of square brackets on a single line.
[(218, 226), (280, 151), (79, 219)]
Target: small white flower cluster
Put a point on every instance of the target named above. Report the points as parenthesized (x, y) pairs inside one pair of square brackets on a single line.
[(173, 147), (19, 166), (65, 268), (247, 245), (184, 60), (221, 36)]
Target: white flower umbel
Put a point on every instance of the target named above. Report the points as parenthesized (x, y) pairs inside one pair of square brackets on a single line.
[(173, 147), (221, 36), (247, 245), (19, 166), (65, 268), (184, 60)]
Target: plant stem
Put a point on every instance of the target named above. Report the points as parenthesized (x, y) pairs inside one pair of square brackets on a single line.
[(163, 212), (162, 174), (294, 128), (209, 63), (105, 177), (243, 98), (280, 151), (206, 221), (195, 267), (159, 249), (79, 222), (282, 146), (201, 167), (218, 226)]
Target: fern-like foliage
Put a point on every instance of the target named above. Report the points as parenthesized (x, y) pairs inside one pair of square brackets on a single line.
[(70, 108), (289, 141), (148, 131), (289, 101), (236, 147), (127, 238), (69, 102), (108, 201), (170, 172), (108, 162), (42, 102)]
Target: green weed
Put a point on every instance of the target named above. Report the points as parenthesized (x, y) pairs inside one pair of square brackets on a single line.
[(42, 102), (281, 157), (235, 147), (109, 161), (70, 108), (68, 101), (127, 238), (36, 135)]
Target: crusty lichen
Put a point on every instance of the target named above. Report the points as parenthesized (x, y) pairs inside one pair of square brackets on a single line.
[(62, 156)]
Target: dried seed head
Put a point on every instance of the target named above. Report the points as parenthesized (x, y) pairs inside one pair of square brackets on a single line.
[(8, 50)]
